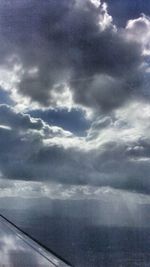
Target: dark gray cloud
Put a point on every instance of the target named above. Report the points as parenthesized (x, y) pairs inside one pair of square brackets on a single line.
[(72, 42), (120, 169)]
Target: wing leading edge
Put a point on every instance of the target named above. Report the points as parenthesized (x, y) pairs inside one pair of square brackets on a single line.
[(17, 249)]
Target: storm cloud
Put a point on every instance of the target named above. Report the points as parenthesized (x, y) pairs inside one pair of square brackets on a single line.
[(74, 44)]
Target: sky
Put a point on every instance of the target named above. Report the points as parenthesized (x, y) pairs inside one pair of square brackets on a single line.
[(75, 99)]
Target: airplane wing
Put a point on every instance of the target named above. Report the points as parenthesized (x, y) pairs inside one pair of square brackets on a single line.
[(17, 249)]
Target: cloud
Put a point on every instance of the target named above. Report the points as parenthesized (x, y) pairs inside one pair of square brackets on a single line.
[(8, 116), (22, 142), (24, 122), (39, 190), (139, 30), (122, 11), (5, 98), (74, 120), (70, 44), (115, 152)]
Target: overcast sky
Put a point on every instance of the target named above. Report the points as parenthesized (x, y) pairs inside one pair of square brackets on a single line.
[(74, 98)]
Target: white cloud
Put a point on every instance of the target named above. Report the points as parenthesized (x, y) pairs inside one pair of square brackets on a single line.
[(139, 30), (97, 3), (106, 20), (126, 125)]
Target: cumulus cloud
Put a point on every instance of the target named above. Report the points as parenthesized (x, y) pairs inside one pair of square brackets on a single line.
[(69, 44), (139, 30)]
